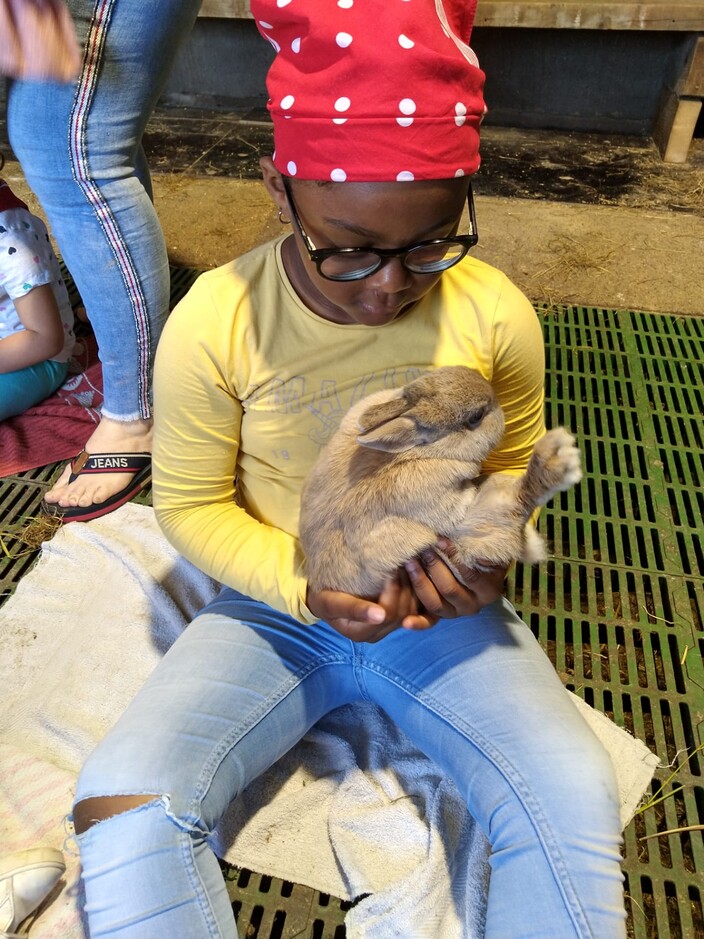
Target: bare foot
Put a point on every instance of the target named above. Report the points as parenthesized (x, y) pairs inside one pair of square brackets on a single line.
[(108, 437)]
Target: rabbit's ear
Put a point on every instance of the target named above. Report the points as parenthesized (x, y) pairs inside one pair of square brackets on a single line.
[(379, 414), (393, 436)]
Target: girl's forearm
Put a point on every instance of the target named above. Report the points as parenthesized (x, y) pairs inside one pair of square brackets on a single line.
[(26, 348)]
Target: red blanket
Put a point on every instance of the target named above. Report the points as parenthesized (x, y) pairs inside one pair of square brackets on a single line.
[(57, 428)]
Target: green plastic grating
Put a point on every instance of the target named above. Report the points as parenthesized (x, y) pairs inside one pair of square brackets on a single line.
[(619, 606)]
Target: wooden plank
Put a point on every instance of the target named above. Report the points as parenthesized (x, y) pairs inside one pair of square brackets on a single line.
[(675, 125), (679, 16), (691, 81)]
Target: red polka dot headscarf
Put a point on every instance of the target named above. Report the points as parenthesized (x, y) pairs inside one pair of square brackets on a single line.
[(366, 91)]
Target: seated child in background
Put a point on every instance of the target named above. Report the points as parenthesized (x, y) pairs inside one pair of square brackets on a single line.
[(36, 319)]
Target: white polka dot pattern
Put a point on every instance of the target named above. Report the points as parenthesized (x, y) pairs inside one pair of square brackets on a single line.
[(396, 95)]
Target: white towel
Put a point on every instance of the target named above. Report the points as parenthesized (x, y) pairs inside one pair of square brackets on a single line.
[(353, 809)]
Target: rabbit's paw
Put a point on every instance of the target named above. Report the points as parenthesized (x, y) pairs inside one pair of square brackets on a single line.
[(557, 462)]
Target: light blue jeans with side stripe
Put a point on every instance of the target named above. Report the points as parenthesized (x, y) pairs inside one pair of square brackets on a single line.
[(244, 683), (79, 146)]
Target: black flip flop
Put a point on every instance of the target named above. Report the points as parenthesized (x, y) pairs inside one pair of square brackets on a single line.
[(138, 465)]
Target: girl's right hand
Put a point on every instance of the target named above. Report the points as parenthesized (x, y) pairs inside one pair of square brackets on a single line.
[(364, 620)]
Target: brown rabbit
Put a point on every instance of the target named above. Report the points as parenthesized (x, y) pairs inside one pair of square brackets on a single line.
[(404, 467)]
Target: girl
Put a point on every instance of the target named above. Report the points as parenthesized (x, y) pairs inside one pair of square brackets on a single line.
[(256, 366), (36, 319)]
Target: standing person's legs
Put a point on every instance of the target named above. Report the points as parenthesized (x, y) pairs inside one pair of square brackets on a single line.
[(480, 697), (80, 148), (227, 700)]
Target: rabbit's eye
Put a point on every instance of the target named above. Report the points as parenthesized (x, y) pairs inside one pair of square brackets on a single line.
[(475, 418)]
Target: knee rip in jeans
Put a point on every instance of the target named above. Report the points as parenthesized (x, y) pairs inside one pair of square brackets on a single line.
[(91, 811)]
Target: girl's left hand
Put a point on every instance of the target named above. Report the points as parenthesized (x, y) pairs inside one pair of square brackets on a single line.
[(443, 596)]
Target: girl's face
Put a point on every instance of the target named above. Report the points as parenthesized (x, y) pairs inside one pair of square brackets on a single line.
[(365, 215)]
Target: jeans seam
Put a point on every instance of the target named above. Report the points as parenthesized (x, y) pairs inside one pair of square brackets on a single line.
[(501, 763), (199, 888), (238, 731)]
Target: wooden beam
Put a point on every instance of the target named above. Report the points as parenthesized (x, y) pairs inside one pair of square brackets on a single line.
[(679, 16), (675, 125), (691, 81)]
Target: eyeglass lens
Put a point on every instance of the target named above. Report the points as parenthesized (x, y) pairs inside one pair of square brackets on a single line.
[(422, 260)]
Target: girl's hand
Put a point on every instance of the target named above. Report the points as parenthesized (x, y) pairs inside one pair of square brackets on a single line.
[(367, 620), (38, 41), (439, 592)]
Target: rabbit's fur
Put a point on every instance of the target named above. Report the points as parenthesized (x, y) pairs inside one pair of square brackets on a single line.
[(404, 467)]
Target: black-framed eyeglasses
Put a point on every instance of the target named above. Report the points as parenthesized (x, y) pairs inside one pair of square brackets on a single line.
[(426, 257)]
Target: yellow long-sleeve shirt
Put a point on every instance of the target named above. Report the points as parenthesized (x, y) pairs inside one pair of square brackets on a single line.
[(250, 384)]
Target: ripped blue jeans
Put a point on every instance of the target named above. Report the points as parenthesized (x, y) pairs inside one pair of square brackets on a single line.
[(244, 683)]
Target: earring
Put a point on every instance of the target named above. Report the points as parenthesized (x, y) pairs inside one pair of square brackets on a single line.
[(284, 221)]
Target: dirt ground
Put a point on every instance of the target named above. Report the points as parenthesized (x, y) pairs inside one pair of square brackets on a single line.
[(572, 219)]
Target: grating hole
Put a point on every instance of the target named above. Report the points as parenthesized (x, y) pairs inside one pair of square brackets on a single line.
[(616, 595), (649, 602), (255, 921), (642, 553), (648, 900), (277, 927), (586, 652), (642, 844), (665, 601), (598, 577), (639, 656), (669, 731), (265, 884), (628, 722), (699, 553), (648, 725), (596, 547), (565, 547), (286, 888), (535, 585), (621, 655), (676, 666), (685, 837), (696, 911), (684, 554), (657, 659), (604, 653), (550, 532), (632, 596), (673, 910), (661, 824), (567, 587), (551, 641), (569, 647)]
